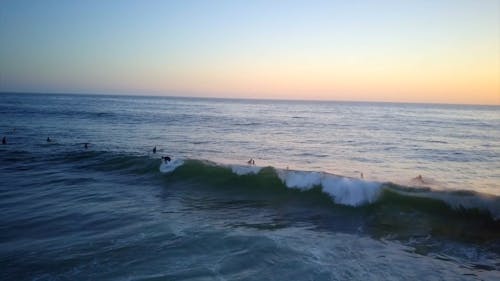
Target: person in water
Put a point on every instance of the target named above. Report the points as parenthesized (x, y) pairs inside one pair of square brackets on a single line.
[(251, 161), (154, 150), (86, 145), (166, 159), (48, 139), (4, 140), (419, 179)]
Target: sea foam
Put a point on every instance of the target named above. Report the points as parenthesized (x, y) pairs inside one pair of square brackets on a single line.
[(345, 191), (245, 169), (171, 165)]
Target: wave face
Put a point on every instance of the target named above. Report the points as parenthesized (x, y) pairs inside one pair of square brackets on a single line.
[(378, 209), (345, 191), (383, 210), (341, 190)]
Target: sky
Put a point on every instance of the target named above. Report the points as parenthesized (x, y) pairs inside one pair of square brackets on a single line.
[(442, 51)]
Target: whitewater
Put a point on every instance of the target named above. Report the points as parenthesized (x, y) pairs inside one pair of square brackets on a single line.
[(339, 190)]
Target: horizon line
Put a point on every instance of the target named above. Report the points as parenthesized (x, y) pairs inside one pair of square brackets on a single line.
[(194, 96)]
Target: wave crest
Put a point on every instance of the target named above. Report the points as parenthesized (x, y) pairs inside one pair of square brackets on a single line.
[(341, 190), (345, 191)]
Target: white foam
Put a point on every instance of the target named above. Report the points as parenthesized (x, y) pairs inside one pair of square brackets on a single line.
[(352, 192), (171, 165), (346, 191), (245, 169), (300, 179)]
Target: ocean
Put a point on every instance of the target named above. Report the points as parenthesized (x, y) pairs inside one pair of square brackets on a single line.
[(339, 190)]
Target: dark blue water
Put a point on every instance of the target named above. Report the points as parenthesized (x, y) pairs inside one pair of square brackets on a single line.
[(302, 212)]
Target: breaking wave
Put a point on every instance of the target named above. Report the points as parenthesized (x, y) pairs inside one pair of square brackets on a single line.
[(341, 190), (385, 207)]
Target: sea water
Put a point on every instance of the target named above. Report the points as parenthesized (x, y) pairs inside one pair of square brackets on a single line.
[(335, 192)]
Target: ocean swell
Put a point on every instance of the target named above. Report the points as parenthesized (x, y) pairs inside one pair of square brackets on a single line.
[(346, 191), (342, 190)]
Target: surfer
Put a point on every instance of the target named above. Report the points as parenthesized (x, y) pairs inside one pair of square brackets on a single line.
[(4, 140), (154, 150), (419, 179), (48, 139), (361, 174), (166, 159), (86, 145), (251, 161)]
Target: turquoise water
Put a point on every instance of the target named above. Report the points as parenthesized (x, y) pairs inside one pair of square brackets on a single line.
[(302, 212)]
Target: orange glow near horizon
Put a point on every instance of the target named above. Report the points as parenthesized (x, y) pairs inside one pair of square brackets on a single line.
[(475, 82)]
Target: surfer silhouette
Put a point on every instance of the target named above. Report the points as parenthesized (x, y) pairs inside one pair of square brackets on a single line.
[(166, 159), (419, 179), (48, 139), (86, 145), (251, 161), (154, 150), (4, 140)]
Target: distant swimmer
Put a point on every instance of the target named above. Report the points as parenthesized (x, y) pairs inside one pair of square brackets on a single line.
[(419, 179), (251, 161), (4, 140), (154, 150), (166, 159), (86, 145), (48, 139)]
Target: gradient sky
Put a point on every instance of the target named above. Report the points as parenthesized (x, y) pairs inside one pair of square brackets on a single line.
[(408, 51)]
